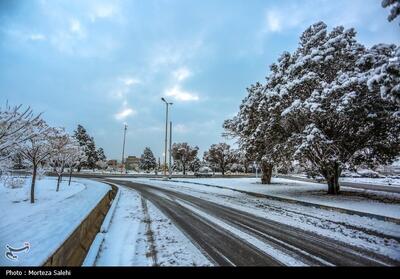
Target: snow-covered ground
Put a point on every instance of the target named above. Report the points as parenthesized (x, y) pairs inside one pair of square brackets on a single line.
[(387, 181), (368, 233), (380, 203), (48, 222), (127, 241)]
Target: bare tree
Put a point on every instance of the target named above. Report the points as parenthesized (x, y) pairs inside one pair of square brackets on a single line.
[(59, 142), (76, 155), (184, 154), (219, 155), (15, 125), (36, 150)]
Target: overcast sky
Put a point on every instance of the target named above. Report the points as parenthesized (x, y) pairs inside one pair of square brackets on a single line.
[(105, 63)]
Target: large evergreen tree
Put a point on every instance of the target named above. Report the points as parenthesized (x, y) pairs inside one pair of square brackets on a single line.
[(89, 147), (322, 106), (147, 160)]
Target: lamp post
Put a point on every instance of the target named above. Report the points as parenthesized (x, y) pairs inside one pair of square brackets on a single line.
[(170, 150), (166, 135), (123, 149)]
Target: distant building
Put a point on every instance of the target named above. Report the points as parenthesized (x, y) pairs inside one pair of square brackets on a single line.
[(132, 163), (112, 163)]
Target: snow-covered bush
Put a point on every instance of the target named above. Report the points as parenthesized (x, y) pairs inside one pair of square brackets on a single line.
[(14, 182)]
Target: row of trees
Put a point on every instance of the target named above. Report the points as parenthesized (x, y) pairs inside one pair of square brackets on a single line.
[(332, 104), (27, 140), (219, 157)]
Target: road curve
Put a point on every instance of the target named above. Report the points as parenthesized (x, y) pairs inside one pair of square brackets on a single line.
[(226, 248)]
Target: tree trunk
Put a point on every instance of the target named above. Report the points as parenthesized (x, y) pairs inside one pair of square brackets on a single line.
[(266, 173), (333, 180), (33, 184), (70, 175), (58, 183), (184, 169), (223, 170)]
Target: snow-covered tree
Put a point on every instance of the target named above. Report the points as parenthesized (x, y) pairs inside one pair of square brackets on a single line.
[(220, 156), (394, 8), (317, 108), (100, 154), (101, 159), (195, 164), (15, 124), (381, 65), (147, 160), (88, 143), (76, 155), (36, 150), (184, 154), (257, 125), (236, 167), (59, 142)]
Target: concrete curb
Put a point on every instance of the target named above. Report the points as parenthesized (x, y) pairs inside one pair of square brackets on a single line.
[(94, 249), (293, 201), (107, 220)]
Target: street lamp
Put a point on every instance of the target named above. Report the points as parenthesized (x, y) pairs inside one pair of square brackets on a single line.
[(166, 135), (123, 149)]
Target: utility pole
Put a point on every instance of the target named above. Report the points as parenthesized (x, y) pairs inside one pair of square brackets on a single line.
[(166, 136), (123, 149), (170, 149)]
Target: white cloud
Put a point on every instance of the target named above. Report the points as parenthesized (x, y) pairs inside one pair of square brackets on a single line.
[(102, 11), (180, 95), (180, 128), (37, 37), (129, 81), (274, 21), (124, 113), (182, 73), (76, 28)]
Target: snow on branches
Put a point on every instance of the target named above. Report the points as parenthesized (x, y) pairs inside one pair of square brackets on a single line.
[(184, 154), (394, 8), (330, 104), (15, 128)]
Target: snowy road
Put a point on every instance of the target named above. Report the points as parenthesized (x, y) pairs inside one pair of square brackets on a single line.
[(229, 236)]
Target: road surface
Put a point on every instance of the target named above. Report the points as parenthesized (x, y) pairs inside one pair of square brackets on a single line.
[(230, 237)]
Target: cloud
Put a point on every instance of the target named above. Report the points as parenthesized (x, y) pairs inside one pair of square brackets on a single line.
[(182, 73), (130, 81), (75, 27), (102, 11), (274, 21), (180, 95), (180, 128), (37, 37), (124, 113)]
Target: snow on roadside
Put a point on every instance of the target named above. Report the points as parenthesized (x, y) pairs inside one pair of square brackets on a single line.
[(48, 222), (394, 182), (125, 243), (173, 247)]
